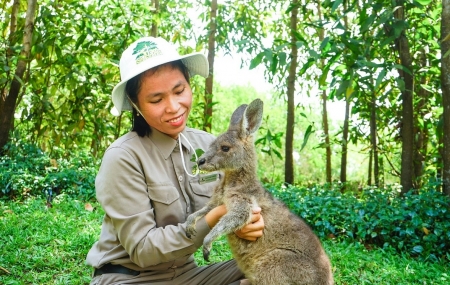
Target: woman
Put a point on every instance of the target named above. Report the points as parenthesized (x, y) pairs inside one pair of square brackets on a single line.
[(145, 183)]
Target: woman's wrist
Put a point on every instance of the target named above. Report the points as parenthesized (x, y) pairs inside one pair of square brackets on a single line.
[(214, 215)]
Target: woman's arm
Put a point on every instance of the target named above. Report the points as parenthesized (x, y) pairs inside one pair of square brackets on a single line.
[(123, 193)]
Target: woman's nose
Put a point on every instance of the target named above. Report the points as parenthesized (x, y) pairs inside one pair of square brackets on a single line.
[(172, 105)]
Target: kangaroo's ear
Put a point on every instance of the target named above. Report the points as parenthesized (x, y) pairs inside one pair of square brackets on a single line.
[(252, 117), (236, 118)]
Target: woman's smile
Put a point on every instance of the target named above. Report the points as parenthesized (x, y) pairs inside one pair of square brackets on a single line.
[(177, 121)]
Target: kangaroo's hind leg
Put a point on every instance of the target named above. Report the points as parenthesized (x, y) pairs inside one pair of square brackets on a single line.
[(283, 266)]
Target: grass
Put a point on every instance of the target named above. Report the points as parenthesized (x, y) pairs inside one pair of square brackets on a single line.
[(42, 245)]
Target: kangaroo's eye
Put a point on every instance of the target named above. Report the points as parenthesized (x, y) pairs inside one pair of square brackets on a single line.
[(225, 148)]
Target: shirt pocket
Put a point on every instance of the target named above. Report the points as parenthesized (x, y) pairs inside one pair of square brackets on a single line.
[(203, 188), (167, 206)]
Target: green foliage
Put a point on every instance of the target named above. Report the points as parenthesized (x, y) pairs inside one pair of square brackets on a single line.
[(416, 224), (353, 263), (220, 252), (25, 170), (65, 101), (42, 245)]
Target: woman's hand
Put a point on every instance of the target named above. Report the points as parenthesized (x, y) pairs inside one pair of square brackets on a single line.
[(250, 232), (213, 217), (254, 230)]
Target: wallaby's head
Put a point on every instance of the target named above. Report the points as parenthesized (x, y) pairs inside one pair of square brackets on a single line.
[(234, 149)]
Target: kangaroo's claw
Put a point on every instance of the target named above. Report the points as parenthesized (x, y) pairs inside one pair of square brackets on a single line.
[(206, 253), (190, 231)]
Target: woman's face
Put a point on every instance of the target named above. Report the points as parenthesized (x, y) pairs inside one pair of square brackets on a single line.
[(165, 100)]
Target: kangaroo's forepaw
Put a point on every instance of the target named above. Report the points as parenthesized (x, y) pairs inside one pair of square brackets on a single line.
[(190, 231)]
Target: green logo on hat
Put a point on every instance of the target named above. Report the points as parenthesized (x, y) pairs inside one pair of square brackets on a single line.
[(145, 50)]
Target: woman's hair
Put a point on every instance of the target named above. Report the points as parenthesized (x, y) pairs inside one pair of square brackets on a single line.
[(133, 87)]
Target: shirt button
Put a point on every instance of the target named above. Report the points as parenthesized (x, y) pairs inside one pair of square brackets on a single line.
[(180, 178)]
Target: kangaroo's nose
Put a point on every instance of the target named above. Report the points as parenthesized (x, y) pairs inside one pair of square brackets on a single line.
[(201, 161)]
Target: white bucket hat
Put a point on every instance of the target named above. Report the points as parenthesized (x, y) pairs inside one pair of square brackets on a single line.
[(147, 53)]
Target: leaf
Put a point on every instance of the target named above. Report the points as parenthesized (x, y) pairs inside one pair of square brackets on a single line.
[(336, 5), (423, 2), (306, 66), (324, 43), (446, 38), (4, 269), (80, 41), (417, 249), (256, 61), (199, 153), (446, 54), (273, 65), (88, 207), (282, 58), (368, 23), (277, 153), (342, 88), (308, 132), (380, 78), (323, 77), (425, 230), (54, 163)]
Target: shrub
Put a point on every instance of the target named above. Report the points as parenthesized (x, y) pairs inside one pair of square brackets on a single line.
[(417, 223), (25, 170)]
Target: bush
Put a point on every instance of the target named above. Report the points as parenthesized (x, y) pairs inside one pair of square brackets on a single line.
[(25, 171), (417, 223)]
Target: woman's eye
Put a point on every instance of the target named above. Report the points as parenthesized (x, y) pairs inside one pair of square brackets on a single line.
[(225, 148)]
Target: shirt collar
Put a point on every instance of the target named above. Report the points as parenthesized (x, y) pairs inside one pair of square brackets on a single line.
[(166, 144)]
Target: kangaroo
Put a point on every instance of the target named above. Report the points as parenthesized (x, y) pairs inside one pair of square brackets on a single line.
[(289, 252)]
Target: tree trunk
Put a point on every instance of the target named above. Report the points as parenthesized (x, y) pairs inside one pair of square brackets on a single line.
[(440, 158), (369, 176), (345, 141), (12, 41), (8, 102), (402, 45), (289, 159), (346, 119), (155, 8), (445, 83), (208, 111), (327, 136), (324, 108), (373, 137), (420, 131), (13, 25)]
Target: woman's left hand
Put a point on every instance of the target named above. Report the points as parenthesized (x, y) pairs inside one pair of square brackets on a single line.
[(254, 230)]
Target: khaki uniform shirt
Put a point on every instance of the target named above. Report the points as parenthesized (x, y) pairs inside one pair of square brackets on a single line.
[(147, 197)]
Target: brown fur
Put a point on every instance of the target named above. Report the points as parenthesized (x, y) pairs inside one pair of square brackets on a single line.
[(288, 252)]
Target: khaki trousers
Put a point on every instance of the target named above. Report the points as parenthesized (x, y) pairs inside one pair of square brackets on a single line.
[(223, 273)]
